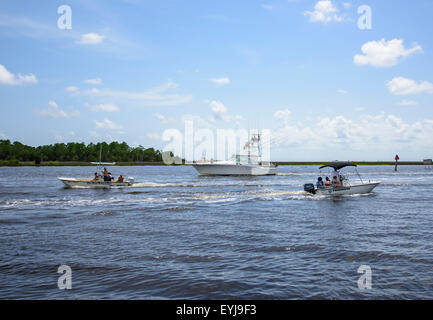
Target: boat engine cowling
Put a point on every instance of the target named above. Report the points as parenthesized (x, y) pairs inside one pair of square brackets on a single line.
[(309, 187)]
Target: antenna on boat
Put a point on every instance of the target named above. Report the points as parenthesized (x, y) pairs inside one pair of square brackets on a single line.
[(249, 147)]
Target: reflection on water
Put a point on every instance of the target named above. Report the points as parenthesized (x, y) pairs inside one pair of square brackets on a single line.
[(178, 235)]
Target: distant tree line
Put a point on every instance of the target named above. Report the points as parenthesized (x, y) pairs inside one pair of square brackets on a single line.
[(112, 152)]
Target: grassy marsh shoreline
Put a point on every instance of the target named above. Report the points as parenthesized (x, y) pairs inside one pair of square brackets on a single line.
[(13, 163)]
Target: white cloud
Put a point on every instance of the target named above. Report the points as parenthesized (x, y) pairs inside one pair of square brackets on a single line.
[(54, 111), (3, 136), (161, 117), (73, 90), (95, 81), (267, 6), (9, 78), (347, 5), (383, 53), (108, 107), (218, 108), (341, 91), (375, 134), (404, 86), (220, 112), (324, 11), (91, 39), (107, 124), (283, 115), (156, 96), (405, 102), (220, 81)]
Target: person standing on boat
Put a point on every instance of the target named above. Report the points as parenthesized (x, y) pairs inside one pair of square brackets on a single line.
[(105, 174)]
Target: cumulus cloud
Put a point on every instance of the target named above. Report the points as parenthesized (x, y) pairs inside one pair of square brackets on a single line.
[(107, 124), (105, 107), (283, 116), (54, 111), (218, 108), (9, 78), (95, 81), (384, 53), (73, 90), (404, 86), (373, 133), (220, 112), (405, 102), (91, 39), (324, 11), (220, 81), (161, 117)]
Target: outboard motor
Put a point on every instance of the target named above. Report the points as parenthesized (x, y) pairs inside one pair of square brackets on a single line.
[(309, 187)]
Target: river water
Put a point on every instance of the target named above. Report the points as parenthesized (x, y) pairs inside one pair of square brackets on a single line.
[(180, 236)]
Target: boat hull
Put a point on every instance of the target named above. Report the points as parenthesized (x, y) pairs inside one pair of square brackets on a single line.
[(234, 170), (91, 184), (354, 189)]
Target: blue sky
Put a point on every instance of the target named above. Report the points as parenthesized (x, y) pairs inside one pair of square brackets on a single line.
[(129, 70)]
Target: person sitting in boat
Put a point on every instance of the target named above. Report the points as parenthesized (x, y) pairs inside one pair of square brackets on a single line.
[(335, 182), (319, 183), (327, 182), (120, 179), (335, 173), (109, 177), (96, 177)]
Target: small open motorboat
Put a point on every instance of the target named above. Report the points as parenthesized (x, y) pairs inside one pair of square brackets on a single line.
[(346, 186), (98, 182)]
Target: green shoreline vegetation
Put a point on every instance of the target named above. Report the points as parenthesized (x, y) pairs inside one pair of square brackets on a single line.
[(17, 154)]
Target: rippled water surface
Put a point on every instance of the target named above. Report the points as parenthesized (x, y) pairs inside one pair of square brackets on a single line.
[(177, 235)]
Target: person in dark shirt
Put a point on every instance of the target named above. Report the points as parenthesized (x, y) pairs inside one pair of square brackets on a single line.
[(319, 183)]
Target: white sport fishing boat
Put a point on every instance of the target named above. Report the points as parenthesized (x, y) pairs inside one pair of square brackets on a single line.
[(346, 186), (238, 165), (98, 182), (233, 168)]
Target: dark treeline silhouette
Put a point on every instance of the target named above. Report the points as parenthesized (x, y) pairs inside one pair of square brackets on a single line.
[(112, 152)]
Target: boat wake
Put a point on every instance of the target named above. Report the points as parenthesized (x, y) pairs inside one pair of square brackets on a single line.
[(192, 185)]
